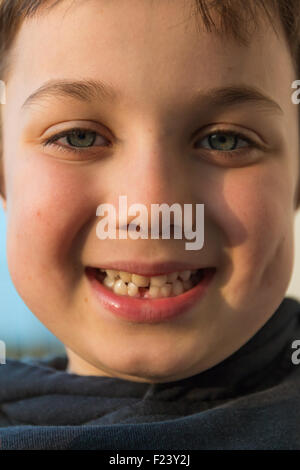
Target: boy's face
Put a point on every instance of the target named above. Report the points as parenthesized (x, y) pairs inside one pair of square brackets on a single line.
[(152, 146)]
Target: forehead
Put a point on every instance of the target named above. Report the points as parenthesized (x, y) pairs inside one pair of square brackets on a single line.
[(148, 51)]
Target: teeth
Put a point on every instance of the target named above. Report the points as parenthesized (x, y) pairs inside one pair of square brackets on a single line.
[(133, 290), (185, 275), (140, 281), (172, 277), (120, 287), (154, 292), (166, 290), (112, 274), (166, 285), (187, 285), (126, 277), (109, 282), (177, 287), (158, 281)]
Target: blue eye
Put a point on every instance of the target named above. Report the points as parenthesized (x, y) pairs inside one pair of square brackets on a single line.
[(81, 138), (224, 141), (76, 140)]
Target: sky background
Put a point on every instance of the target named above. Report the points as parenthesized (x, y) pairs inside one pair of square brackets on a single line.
[(19, 329), (24, 334)]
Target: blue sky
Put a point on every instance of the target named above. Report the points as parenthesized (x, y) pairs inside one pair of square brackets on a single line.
[(19, 328)]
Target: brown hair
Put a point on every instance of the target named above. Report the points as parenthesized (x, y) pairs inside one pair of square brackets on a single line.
[(233, 17)]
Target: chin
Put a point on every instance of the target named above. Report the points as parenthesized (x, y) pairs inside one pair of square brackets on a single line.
[(153, 369)]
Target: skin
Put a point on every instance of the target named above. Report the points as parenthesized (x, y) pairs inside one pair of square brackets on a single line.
[(51, 196)]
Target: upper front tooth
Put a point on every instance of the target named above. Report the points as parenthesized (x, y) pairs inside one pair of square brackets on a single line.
[(185, 275), (140, 281), (172, 277), (158, 281), (126, 277), (111, 273)]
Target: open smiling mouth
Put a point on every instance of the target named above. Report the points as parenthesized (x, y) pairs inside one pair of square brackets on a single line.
[(146, 298)]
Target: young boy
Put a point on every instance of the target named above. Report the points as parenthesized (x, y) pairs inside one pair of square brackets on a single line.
[(180, 102)]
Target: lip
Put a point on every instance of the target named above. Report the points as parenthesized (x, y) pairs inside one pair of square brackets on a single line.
[(146, 269), (149, 310)]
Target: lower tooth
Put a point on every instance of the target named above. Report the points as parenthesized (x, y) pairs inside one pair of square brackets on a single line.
[(187, 284), (120, 287), (132, 289), (177, 287), (166, 290), (108, 282), (154, 292)]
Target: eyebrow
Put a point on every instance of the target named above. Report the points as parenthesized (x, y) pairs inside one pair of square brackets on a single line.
[(88, 90), (84, 90), (239, 94)]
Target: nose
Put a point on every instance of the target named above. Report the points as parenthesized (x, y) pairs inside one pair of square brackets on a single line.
[(157, 171), (154, 169)]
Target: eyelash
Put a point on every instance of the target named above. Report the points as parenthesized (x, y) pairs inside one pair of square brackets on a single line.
[(229, 153), (235, 152), (63, 148)]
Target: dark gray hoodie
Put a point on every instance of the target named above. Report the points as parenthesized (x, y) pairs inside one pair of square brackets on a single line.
[(251, 400)]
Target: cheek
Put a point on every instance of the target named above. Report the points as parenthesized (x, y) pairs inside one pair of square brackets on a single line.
[(258, 227), (46, 219)]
